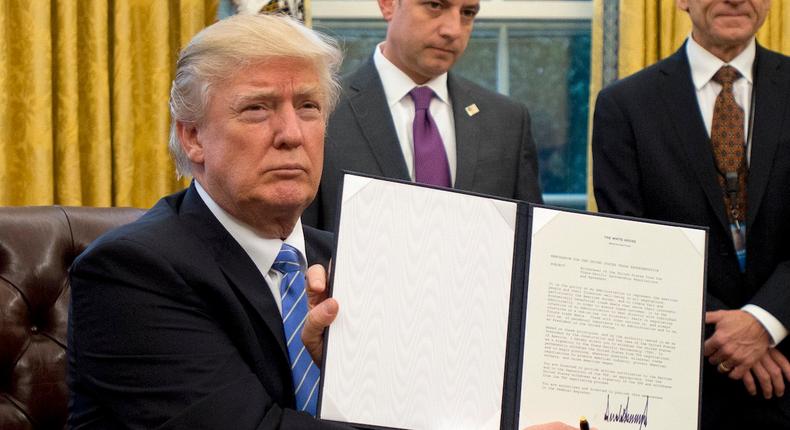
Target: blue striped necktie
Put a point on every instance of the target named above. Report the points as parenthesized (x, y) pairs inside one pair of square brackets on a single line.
[(294, 300)]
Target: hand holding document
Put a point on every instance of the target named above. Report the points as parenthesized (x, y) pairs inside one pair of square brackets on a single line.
[(322, 312), (463, 311)]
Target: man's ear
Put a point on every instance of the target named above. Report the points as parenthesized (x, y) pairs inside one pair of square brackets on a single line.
[(387, 8), (190, 144)]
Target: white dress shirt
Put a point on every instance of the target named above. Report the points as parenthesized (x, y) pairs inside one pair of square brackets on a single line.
[(261, 250), (703, 66), (396, 89)]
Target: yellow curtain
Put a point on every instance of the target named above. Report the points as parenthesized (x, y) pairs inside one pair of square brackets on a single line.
[(83, 98), (775, 33), (650, 30), (596, 82)]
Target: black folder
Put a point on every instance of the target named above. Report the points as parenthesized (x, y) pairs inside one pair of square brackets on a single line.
[(433, 292)]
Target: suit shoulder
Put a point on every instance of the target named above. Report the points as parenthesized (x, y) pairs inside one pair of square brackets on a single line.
[(778, 56), (644, 80), (157, 230), (484, 95), (773, 58), (365, 77), (360, 76)]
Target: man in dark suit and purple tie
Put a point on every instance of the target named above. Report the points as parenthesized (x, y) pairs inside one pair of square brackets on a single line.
[(404, 114)]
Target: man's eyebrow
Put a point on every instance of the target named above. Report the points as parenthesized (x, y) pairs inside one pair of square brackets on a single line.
[(254, 96), (302, 91), (475, 7), (308, 90)]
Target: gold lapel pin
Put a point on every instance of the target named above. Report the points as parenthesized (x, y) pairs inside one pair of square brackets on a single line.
[(472, 110)]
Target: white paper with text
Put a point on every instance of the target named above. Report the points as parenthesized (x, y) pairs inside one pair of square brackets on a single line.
[(614, 322)]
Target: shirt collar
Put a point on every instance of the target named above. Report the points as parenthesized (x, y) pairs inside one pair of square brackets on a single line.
[(704, 64), (398, 84), (261, 250)]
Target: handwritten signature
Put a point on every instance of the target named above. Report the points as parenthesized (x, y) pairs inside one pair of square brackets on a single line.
[(624, 416)]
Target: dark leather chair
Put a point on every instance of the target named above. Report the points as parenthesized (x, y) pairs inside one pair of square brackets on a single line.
[(37, 246)]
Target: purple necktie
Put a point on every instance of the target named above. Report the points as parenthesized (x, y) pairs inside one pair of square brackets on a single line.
[(430, 159)]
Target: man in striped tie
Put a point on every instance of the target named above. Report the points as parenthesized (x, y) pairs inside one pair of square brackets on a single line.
[(203, 313), (199, 314)]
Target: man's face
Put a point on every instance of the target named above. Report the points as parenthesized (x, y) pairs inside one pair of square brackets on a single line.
[(725, 24), (259, 151), (426, 37)]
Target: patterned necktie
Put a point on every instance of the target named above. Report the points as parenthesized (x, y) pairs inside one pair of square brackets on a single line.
[(294, 300), (430, 158), (727, 139)]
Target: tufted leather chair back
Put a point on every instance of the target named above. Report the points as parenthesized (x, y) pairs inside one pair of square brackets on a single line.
[(37, 246)]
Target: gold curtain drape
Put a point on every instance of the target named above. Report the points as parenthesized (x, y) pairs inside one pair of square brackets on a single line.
[(83, 98), (650, 30), (596, 83)]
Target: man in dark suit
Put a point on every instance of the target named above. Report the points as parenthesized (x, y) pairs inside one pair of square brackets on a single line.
[(654, 138), (486, 138), (199, 315), (190, 317)]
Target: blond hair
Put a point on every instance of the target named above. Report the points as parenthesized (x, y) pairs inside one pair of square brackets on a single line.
[(218, 51)]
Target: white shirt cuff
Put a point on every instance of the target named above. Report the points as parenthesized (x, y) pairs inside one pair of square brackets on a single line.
[(775, 329)]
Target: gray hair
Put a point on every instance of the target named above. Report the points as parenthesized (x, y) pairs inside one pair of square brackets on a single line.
[(226, 46)]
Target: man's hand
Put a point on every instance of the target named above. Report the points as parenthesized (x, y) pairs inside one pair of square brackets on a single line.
[(321, 312), (772, 370), (738, 342)]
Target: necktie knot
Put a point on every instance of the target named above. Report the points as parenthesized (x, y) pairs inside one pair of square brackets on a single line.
[(726, 75), (422, 97), (288, 260)]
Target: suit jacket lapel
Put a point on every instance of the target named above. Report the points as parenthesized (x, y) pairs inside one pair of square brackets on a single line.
[(680, 101), (771, 86), (467, 142), (237, 266), (369, 104)]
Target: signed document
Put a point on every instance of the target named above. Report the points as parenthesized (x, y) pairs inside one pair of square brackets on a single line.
[(614, 321), (462, 311)]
